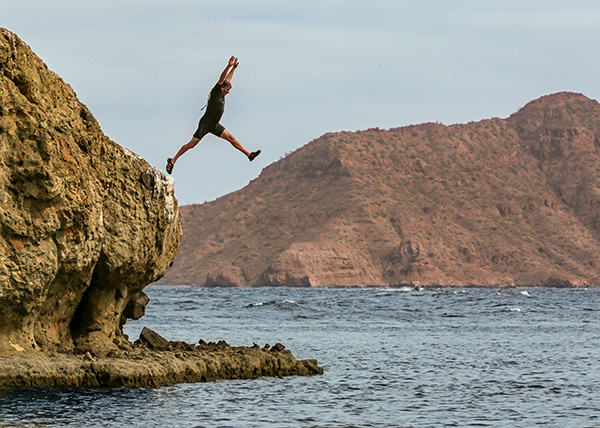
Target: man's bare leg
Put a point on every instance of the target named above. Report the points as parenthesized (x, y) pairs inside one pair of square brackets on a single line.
[(235, 143), (182, 150), (193, 142)]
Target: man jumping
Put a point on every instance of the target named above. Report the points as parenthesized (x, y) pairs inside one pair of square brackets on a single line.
[(210, 121)]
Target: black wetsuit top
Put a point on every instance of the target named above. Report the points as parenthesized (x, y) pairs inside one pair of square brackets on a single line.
[(216, 105), (214, 111)]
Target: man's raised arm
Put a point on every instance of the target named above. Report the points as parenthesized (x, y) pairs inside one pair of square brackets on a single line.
[(228, 72)]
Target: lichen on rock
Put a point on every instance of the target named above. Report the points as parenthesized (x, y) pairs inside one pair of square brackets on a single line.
[(85, 224)]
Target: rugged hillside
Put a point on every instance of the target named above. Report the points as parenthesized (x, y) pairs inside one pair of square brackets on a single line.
[(495, 203)]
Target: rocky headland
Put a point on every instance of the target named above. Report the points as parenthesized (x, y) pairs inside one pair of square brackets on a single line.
[(85, 225), (500, 202)]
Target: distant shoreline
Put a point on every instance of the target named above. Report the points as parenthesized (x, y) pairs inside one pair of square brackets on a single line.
[(383, 287)]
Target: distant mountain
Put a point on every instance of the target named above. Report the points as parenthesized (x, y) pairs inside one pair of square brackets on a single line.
[(500, 202)]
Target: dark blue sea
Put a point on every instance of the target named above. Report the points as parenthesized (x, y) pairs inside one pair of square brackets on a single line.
[(392, 358)]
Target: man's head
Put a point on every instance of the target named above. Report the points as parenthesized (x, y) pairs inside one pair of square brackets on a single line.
[(226, 87)]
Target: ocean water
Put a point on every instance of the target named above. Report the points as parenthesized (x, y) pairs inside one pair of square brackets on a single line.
[(392, 358)]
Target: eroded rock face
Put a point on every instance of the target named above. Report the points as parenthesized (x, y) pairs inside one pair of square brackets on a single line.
[(85, 224)]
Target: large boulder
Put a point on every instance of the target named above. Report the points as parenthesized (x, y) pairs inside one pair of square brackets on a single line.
[(85, 224)]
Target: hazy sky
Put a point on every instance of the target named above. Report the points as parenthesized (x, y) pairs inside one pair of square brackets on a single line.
[(144, 68)]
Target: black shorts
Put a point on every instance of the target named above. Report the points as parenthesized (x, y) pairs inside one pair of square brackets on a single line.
[(206, 127)]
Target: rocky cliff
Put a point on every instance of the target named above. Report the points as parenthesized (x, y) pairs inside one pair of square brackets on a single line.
[(85, 224), (501, 202)]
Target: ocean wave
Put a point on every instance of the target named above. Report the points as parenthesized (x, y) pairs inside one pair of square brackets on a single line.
[(275, 303)]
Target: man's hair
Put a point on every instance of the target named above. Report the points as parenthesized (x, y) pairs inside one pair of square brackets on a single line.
[(227, 84)]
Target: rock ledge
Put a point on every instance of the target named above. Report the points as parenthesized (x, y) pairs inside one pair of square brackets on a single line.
[(139, 366)]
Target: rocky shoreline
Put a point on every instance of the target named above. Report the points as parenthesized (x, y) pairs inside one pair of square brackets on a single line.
[(150, 362)]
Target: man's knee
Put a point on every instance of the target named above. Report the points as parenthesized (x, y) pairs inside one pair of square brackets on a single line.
[(193, 142), (226, 135), (232, 139)]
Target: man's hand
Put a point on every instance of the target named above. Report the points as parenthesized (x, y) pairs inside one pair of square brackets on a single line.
[(228, 72)]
